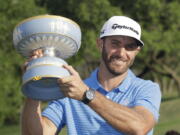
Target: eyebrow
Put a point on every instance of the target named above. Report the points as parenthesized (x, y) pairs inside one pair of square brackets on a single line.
[(115, 40)]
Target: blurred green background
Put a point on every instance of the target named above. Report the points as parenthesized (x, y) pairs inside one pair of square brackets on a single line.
[(158, 60)]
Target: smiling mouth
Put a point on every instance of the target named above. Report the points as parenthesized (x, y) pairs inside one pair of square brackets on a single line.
[(117, 62), (117, 59)]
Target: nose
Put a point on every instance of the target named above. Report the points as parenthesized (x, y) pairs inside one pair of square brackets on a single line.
[(121, 51)]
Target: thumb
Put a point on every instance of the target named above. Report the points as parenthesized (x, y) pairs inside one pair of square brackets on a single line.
[(71, 70)]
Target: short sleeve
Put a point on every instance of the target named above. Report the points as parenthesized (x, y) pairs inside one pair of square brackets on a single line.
[(54, 112), (149, 96)]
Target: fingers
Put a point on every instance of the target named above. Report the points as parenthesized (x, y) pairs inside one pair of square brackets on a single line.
[(65, 80), (71, 70), (69, 79), (65, 85), (24, 66), (72, 86), (36, 54), (73, 77)]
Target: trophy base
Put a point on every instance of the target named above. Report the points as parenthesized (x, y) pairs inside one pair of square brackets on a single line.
[(40, 78), (44, 89)]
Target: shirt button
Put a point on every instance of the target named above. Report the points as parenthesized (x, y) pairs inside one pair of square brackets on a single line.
[(108, 97)]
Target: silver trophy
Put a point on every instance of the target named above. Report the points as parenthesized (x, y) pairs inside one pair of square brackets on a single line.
[(59, 38)]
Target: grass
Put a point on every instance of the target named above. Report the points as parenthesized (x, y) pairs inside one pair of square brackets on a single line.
[(169, 117), (169, 120), (10, 130), (15, 130)]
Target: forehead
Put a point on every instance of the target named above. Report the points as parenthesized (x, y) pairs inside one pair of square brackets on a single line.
[(121, 38)]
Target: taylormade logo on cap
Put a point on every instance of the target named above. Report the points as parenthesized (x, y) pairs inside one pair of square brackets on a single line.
[(121, 25), (115, 26)]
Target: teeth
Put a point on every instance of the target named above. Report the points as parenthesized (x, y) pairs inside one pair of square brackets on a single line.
[(118, 62)]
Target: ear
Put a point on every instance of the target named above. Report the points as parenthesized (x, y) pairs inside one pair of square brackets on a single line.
[(99, 43), (138, 50)]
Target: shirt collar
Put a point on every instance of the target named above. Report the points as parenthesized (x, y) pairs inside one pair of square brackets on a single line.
[(127, 81), (94, 83)]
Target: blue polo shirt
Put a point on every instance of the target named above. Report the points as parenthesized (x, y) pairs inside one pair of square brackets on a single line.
[(80, 119)]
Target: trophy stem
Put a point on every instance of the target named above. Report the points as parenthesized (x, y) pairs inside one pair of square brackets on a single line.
[(49, 51)]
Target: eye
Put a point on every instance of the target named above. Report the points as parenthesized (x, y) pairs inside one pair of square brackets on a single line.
[(131, 46), (114, 44)]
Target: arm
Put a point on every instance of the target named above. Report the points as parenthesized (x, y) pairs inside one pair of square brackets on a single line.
[(133, 121), (32, 123)]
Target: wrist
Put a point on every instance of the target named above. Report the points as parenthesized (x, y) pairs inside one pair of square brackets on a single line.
[(88, 96), (30, 101)]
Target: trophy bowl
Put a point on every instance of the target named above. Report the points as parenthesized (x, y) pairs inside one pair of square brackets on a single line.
[(59, 38)]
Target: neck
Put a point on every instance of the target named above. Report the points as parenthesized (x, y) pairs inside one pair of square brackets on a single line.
[(108, 80)]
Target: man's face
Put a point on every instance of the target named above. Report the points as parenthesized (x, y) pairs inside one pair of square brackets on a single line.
[(118, 53)]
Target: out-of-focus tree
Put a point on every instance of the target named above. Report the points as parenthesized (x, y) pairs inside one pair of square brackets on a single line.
[(11, 13)]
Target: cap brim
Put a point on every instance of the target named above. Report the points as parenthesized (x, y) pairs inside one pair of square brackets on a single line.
[(140, 43)]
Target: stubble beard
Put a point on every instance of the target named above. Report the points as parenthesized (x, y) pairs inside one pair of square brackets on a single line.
[(109, 61)]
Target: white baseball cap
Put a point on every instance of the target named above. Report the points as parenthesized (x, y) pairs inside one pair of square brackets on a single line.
[(122, 25)]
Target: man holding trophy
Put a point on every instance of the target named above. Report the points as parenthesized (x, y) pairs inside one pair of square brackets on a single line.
[(112, 101)]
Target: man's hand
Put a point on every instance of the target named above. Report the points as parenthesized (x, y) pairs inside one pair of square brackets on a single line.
[(34, 55), (72, 86)]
